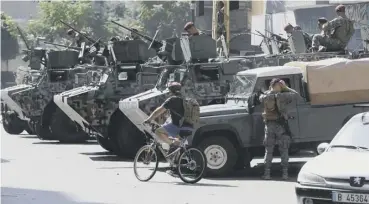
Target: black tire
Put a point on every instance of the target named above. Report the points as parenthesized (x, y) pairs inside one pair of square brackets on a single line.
[(64, 129), (13, 125), (106, 143), (202, 170), (141, 150), (224, 149), (129, 139), (29, 128)]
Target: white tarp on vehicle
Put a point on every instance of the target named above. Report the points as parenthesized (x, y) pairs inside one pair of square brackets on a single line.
[(337, 80)]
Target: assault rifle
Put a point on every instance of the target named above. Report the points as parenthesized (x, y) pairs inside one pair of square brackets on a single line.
[(277, 37)]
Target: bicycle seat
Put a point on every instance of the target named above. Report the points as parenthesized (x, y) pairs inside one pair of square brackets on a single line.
[(185, 133)]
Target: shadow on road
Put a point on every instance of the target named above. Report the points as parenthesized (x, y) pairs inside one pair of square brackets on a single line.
[(32, 196), (256, 172), (105, 156), (92, 142), (195, 184)]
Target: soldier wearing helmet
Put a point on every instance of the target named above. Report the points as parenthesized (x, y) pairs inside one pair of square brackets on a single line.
[(76, 38), (339, 32)]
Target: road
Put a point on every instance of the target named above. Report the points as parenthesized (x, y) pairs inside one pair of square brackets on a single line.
[(44, 172)]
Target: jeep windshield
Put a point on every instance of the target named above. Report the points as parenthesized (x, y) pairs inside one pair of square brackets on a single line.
[(242, 86), (170, 75)]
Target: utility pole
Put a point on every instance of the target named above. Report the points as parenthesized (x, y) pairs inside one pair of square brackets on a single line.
[(193, 5)]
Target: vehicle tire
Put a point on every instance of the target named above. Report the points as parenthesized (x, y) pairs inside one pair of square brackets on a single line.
[(152, 152), (64, 129), (29, 128), (221, 155), (105, 143), (12, 124), (191, 164), (129, 139)]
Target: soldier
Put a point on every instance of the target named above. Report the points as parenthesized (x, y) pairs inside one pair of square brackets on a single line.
[(77, 39), (339, 30), (191, 29), (289, 28), (276, 130), (221, 27), (321, 22)]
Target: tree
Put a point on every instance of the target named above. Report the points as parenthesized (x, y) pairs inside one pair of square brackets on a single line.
[(9, 40), (87, 16), (167, 16)]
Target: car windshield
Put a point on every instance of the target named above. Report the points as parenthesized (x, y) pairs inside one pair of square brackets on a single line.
[(170, 75), (242, 85), (354, 135)]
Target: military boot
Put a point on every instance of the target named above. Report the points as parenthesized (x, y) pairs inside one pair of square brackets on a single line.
[(266, 175), (285, 174)]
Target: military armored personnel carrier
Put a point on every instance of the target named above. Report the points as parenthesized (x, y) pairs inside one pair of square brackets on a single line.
[(94, 106), (203, 76), (34, 102)]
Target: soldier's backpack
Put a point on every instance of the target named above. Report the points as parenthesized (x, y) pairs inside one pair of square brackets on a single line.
[(191, 111)]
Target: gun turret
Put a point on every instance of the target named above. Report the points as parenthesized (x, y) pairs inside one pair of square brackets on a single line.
[(60, 45), (155, 43)]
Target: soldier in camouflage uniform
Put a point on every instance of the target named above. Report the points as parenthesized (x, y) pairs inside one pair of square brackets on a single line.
[(77, 39), (321, 22), (339, 32), (274, 101), (289, 29)]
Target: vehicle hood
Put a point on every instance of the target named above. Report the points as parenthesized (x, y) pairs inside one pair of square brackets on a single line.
[(152, 93), (340, 165), (221, 109)]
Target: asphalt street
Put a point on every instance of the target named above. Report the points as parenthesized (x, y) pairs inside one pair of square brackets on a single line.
[(47, 172)]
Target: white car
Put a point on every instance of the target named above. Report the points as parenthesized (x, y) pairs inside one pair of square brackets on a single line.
[(340, 174)]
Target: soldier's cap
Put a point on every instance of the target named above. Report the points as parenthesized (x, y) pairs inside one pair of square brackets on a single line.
[(340, 8), (288, 27), (188, 25), (174, 86), (274, 81), (322, 20)]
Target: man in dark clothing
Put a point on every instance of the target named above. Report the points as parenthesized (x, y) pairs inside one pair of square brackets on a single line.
[(77, 39), (169, 131), (134, 36)]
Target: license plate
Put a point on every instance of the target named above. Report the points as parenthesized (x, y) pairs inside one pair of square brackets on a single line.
[(350, 197)]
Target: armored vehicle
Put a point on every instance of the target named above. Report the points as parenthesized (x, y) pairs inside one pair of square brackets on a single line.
[(231, 134), (34, 102), (94, 107), (276, 55), (203, 76)]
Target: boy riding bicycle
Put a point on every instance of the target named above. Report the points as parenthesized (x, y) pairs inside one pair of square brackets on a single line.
[(169, 131)]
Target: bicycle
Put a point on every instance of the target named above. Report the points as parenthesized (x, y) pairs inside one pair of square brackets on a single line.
[(181, 157)]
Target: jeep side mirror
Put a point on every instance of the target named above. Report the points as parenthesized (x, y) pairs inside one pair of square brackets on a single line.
[(322, 147), (122, 76)]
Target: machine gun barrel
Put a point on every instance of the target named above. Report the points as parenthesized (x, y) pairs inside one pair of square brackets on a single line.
[(85, 36), (135, 32), (23, 38), (60, 45)]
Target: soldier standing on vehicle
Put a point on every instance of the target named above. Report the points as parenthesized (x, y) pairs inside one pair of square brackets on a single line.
[(192, 30), (339, 30), (289, 29), (276, 126), (77, 39), (134, 36)]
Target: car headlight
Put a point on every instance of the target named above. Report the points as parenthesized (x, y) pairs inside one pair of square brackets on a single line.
[(306, 178)]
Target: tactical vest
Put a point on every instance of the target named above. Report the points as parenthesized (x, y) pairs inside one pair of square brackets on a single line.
[(270, 108)]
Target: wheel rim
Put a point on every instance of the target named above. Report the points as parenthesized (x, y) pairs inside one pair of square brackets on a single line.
[(191, 165), (148, 157), (216, 156)]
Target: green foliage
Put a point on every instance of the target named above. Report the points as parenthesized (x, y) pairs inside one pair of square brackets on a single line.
[(166, 16), (81, 15), (9, 40)]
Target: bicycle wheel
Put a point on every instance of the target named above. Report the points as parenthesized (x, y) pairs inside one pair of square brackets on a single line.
[(149, 156), (191, 160)]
